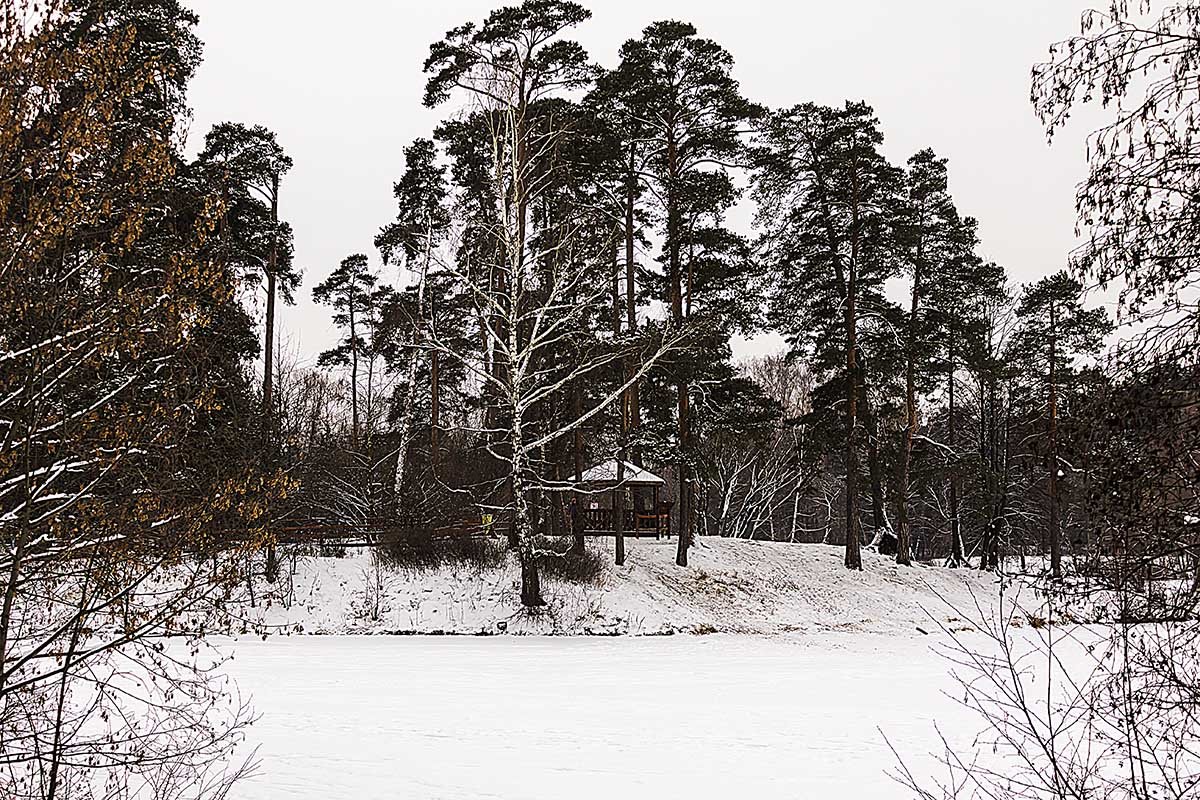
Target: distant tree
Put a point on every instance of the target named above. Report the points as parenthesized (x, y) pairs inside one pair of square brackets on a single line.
[(422, 223), (1055, 329), (248, 164), (990, 380), (930, 232), (960, 305), (948, 285), (751, 459), (350, 290)]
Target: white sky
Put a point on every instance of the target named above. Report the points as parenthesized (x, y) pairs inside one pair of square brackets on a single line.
[(341, 86)]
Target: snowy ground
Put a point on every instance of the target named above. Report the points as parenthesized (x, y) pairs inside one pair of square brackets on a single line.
[(732, 586), (547, 718), (787, 700)]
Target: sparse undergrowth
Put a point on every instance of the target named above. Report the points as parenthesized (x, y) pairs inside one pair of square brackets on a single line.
[(561, 562), (423, 552)]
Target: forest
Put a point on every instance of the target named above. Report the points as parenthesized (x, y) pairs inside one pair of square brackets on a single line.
[(570, 283), (575, 250)]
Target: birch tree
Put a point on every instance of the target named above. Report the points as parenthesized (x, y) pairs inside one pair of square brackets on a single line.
[(539, 291)]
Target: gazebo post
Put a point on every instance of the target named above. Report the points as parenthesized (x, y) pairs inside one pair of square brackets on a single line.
[(657, 519), (612, 509)]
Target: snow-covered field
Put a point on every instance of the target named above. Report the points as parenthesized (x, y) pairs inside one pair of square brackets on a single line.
[(731, 586), (547, 718)]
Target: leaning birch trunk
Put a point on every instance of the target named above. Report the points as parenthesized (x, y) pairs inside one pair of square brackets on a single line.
[(406, 415)]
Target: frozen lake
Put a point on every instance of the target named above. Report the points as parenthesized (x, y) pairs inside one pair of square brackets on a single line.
[(531, 718)]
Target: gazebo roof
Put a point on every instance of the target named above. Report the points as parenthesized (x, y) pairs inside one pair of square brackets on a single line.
[(605, 473)]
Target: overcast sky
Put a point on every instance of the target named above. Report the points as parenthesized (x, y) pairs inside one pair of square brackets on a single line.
[(341, 84)]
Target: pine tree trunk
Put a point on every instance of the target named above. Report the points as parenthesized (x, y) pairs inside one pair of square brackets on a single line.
[(353, 374), (685, 499), (633, 394), (683, 407), (853, 559), (272, 565), (956, 544), (622, 419), (410, 390), (1055, 536), (269, 333), (903, 532)]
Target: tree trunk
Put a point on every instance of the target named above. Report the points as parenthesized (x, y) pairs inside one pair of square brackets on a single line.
[(353, 374), (269, 333), (410, 390), (956, 544), (434, 407), (903, 532), (685, 494), (531, 586), (853, 559), (622, 423), (633, 394), (1055, 536), (683, 408), (531, 582), (268, 402)]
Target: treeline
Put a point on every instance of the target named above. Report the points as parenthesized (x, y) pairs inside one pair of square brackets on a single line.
[(571, 287)]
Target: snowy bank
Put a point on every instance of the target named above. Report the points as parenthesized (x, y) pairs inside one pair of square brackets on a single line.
[(732, 586)]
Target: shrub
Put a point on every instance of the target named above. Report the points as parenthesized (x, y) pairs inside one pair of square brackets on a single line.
[(570, 566), (423, 551)]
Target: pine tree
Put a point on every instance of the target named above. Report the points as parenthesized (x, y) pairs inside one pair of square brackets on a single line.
[(248, 164), (827, 200), (938, 247), (678, 94), (624, 135), (1056, 329), (422, 223), (350, 290), (959, 305)]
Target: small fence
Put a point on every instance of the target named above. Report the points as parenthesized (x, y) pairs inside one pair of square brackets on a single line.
[(375, 531), (603, 522)]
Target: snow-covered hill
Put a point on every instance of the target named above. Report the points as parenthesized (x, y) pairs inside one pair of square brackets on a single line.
[(732, 586)]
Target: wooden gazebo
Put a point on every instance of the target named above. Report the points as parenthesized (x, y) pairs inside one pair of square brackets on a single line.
[(645, 514)]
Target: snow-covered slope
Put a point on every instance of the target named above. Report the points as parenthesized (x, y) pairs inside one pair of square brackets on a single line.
[(732, 586)]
